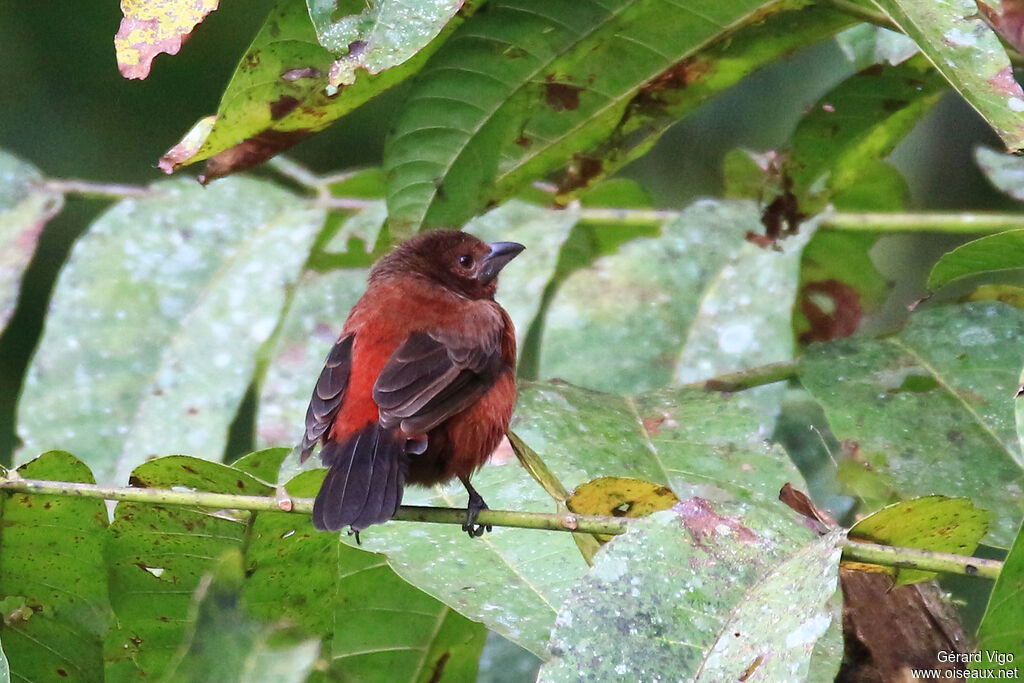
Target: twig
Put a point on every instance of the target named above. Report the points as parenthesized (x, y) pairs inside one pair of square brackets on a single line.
[(925, 560), (748, 379), (958, 223), (228, 501), (88, 189), (889, 556)]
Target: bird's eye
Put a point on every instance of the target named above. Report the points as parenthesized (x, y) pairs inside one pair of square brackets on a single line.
[(466, 261)]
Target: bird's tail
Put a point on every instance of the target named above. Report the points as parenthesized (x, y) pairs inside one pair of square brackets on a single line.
[(365, 481)]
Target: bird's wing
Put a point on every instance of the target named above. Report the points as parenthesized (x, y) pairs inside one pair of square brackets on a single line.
[(328, 394), (431, 377)]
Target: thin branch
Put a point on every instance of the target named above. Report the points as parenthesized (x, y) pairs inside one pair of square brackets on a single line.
[(957, 223), (890, 556), (89, 189), (296, 172), (748, 379), (925, 560), (228, 501), (611, 216), (891, 221)]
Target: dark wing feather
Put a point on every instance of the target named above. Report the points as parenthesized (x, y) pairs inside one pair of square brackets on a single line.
[(429, 378), (328, 394)]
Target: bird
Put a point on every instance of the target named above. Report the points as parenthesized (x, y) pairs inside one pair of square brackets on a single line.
[(420, 385)]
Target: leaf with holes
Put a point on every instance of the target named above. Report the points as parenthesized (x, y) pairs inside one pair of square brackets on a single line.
[(704, 592), (156, 320), (54, 606), (528, 83), (25, 208), (378, 36), (954, 37), (929, 411)]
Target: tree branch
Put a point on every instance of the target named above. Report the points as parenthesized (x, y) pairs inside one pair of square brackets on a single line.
[(304, 506), (926, 560), (956, 223), (886, 221), (89, 189), (748, 379), (889, 556)]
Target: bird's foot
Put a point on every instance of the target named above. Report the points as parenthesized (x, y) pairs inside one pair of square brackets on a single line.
[(473, 509)]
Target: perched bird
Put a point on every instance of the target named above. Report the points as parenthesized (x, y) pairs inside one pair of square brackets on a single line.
[(420, 385)]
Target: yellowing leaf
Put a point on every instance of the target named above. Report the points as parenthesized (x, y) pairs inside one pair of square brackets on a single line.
[(150, 27), (620, 497)]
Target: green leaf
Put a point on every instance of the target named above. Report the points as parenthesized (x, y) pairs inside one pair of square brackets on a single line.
[(990, 254), (25, 208), (156, 556), (367, 618), (705, 592), (928, 410), (370, 619), (224, 644), (697, 301), (855, 125), (527, 84), (279, 94), (609, 144), (935, 523), (954, 37), (695, 443), (1001, 631), (54, 607), (156, 320), (264, 465), (378, 36), (865, 44), (1004, 171)]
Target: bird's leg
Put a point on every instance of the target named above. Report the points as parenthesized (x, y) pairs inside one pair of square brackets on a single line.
[(476, 504)]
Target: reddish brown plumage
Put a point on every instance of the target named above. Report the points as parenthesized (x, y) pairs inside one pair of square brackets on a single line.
[(420, 386)]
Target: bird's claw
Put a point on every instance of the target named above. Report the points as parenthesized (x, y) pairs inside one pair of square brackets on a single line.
[(473, 509), (471, 527)]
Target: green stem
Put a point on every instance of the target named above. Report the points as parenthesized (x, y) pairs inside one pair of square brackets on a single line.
[(890, 556), (754, 377), (304, 506), (957, 223), (99, 190), (925, 560)]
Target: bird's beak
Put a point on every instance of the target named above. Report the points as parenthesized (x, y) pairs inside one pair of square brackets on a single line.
[(501, 253)]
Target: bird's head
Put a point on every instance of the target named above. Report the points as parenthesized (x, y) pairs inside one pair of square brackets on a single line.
[(462, 263)]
